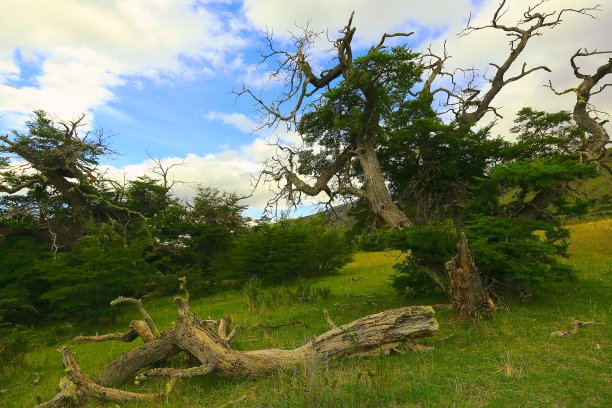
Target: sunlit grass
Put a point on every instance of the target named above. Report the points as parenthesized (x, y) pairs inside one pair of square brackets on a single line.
[(508, 360)]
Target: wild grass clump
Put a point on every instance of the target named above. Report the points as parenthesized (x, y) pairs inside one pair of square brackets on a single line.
[(256, 295)]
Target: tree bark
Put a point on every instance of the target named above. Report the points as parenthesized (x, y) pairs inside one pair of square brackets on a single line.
[(375, 188), (468, 296)]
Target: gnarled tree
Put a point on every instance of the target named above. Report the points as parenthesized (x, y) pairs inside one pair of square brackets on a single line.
[(372, 129)]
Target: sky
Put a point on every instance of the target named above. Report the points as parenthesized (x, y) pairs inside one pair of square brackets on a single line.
[(158, 75)]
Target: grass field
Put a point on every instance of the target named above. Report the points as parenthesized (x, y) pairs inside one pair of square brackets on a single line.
[(506, 361)]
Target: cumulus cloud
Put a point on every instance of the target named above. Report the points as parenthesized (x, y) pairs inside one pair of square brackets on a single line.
[(85, 48), (372, 19), (434, 24), (230, 170), (239, 121)]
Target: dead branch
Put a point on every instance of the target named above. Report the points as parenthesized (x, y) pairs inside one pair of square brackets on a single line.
[(330, 322), (576, 325), (137, 329), (268, 327), (145, 315), (592, 149), (471, 109), (77, 387)]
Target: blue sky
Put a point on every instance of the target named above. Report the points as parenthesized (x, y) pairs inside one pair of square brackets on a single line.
[(158, 74)]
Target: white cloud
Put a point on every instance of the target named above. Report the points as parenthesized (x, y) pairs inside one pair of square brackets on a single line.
[(89, 47), (553, 48), (230, 170), (238, 120), (372, 19)]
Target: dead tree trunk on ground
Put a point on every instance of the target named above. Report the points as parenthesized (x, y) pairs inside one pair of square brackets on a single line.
[(209, 342)]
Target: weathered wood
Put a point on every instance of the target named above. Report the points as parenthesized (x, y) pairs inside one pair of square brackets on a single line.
[(145, 315), (137, 329), (359, 337), (208, 342), (576, 325), (76, 386), (467, 294)]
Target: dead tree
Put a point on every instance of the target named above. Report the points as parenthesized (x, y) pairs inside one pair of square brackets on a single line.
[(208, 342), (358, 148)]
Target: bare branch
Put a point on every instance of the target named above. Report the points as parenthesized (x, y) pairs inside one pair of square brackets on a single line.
[(145, 315), (533, 21), (385, 36)]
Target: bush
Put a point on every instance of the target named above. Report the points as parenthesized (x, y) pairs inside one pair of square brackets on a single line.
[(522, 254), (286, 250), (15, 340), (100, 267)]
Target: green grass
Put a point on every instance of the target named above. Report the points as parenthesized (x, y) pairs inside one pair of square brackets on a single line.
[(506, 361)]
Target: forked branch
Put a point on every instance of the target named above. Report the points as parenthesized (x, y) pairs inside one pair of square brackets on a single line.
[(470, 111), (592, 149)]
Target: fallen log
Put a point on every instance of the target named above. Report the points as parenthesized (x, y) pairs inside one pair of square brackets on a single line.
[(209, 344)]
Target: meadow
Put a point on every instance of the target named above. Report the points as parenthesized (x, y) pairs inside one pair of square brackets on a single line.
[(509, 360)]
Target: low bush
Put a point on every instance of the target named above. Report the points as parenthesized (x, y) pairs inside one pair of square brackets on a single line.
[(521, 254), (286, 250)]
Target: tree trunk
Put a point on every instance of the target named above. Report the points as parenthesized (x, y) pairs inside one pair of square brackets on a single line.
[(467, 294), (376, 191)]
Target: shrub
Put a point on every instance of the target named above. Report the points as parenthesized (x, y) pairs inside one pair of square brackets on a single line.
[(15, 340), (285, 250), (99, 268), (522, 254)]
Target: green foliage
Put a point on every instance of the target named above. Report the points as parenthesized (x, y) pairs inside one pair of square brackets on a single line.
[(285, 250), (191, 238), (20, 288), (48, 141), (430, 246), (100, 267), (410, 278), (522, 254), (537, 173), (541, 134)]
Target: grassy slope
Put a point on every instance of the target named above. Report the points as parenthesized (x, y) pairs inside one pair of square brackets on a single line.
[(508, 360)]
